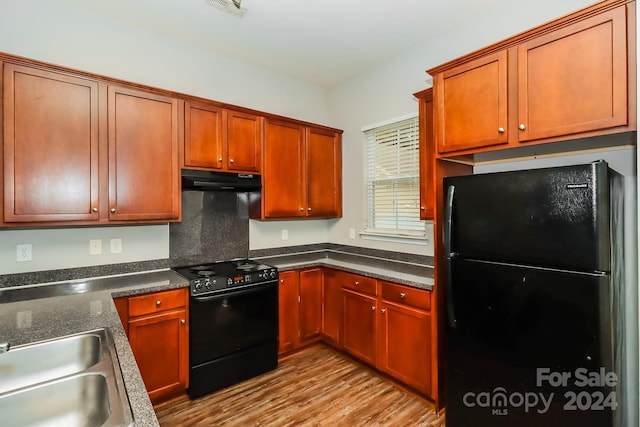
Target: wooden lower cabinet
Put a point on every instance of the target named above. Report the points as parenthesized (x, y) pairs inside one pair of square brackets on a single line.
[(300, 308), (157, 327), (360, 325), (332, 309)]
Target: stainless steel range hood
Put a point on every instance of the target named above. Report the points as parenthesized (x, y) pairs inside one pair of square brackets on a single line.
[(220, 181)]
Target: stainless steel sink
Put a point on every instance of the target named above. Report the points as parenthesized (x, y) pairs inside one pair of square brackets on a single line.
[(69, 381), (48, 360)]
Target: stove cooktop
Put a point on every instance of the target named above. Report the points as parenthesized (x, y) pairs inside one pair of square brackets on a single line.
[(205, 279)]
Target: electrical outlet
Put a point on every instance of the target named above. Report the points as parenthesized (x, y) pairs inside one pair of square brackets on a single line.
[(95, 246), (23, 319), (116, 246), (24, 252), (352, 233), (285, 234)]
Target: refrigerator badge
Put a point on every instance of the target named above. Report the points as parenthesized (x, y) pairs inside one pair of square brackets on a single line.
[(578, 185)]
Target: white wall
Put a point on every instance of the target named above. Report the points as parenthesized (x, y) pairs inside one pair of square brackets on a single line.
[(57, 32)]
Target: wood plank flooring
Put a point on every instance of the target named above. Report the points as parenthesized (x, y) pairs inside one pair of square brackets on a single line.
[(315, 387)]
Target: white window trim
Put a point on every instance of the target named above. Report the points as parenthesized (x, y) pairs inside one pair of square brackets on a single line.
[(408, 237)]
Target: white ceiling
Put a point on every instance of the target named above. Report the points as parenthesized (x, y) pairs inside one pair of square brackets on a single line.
[(323, 42)]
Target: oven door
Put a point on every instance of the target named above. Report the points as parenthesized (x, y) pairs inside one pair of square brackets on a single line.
[(233, 322)]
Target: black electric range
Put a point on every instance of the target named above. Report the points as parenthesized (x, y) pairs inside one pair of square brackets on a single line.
[(226, 276)]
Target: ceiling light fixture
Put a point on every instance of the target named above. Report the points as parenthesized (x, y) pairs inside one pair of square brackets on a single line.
[(230, 6)]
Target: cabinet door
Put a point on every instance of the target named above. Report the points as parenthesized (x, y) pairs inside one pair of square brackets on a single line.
[(160, 346), (427, 151), (324, 173), (244, 141), (283, 180), (143, 156), (405, 348), (310, 289), (332, 308), (574, 79), (203, 136), (471, 104), (287, 311), (50, 146), (359, 325)]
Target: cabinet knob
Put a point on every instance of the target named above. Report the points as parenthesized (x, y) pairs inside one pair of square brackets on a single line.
[(219, 159), (373, 308), (113, 210), (182, 321), (158, 303), (308, 209), (356, 283), (301, 209), (402, 295), (521, 127), (281, 280), (422, 208), (231, 161), (500, 130), (94, 209), (383, 310)]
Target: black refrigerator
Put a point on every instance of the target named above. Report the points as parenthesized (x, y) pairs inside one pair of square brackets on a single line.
[(530, 310)]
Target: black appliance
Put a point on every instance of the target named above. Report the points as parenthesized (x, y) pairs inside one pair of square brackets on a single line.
[(201, 180), (529, 315), (233, 329)]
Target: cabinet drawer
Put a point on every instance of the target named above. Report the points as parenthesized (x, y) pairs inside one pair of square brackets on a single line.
[(358, 283), (406, 295), (160, 301)]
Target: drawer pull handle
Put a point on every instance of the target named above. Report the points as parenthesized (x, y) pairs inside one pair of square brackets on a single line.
[(158, 303), (402, 295)]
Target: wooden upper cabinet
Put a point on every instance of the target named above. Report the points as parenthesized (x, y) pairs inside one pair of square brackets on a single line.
[(143, 155), (574, 79), (50, 146), (203, 136), (324, 173), (471, 104), (568, 79), (283, 172), (302, 172), (220, 139), (245, 135), (427, 151)]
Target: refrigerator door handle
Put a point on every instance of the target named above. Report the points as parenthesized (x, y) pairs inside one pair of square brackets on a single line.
[(449, 255)]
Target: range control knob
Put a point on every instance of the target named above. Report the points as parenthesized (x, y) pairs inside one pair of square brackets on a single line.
[(207, 283), (197, 285), (273, 274), (229, 281)]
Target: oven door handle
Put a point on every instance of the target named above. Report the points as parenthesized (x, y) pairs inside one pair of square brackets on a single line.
[(234, 293)]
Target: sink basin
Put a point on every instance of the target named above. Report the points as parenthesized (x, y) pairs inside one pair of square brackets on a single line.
[(82, 400), (68, 381), (48, 360)]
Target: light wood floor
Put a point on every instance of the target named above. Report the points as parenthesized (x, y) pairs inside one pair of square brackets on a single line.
[(316, 387)]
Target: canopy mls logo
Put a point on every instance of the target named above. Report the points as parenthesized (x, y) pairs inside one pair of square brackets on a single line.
[(578, 185), (589, 391)]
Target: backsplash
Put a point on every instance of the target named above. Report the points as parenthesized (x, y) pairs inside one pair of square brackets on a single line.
[(214, 227)]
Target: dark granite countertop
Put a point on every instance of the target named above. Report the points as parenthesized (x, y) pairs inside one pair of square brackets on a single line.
[(406, 273), (77, 306)]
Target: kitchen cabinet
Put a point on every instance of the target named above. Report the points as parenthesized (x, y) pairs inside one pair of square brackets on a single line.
[(144, 180), (332, 309), (564, 80), (51, 144), (222, 139), (302, 172), (359, 305), (158, 334), (81, 151), (405, 344), (427, 150), (300, 308)]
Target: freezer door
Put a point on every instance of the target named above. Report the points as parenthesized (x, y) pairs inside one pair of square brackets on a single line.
[(552, 217), (528, 348)]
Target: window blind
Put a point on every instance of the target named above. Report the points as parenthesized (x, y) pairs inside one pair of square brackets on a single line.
[(393, 184)]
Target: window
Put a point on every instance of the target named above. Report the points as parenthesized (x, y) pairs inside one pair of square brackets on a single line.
[(393, 179)]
